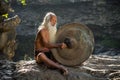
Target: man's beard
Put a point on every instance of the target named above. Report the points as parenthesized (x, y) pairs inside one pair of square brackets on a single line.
[(52, 32)]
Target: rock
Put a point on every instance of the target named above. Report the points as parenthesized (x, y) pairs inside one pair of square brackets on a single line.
[(7, 37), (97, 67), (102, 50), (7, 30), (115, 75), (7, 69), (4, 9), (41, 72), (6, 78)]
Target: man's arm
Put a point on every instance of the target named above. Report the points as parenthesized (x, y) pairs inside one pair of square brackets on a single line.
[(37, 42), (46, 41)]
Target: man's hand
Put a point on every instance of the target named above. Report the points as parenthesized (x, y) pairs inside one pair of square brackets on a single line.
[(46, 50), (63, 45)]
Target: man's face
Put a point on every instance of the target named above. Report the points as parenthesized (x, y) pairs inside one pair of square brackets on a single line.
[(53, 20)]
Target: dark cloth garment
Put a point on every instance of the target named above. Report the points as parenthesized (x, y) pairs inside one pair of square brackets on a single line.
[(36, 53), (48, 54)]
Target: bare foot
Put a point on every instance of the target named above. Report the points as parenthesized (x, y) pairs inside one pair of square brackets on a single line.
[(65, 71)]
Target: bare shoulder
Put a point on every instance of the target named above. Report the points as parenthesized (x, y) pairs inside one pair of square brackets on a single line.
[(42, 31)]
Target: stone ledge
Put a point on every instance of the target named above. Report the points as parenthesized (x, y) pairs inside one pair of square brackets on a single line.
[(97, 67)]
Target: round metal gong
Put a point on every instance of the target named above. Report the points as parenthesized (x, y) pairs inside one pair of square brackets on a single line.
[(81, 41)]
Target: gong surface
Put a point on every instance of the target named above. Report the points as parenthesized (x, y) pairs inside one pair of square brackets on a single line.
[(82, 41)]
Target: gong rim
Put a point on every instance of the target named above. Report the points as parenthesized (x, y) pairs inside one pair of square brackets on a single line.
[(82, 44)]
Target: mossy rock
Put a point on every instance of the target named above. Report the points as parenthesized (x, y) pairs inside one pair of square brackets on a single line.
[(113, 43)]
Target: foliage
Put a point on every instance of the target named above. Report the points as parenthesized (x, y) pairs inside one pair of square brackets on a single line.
[(23, 2), (27, 57), (109, 42), (6, 0), (5, 15)]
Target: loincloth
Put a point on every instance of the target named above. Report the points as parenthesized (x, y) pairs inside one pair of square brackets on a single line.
[(48, 54)]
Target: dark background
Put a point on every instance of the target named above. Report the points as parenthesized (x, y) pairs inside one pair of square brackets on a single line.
[(101, 16)]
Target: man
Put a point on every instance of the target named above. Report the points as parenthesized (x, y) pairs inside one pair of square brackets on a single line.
[(45, 40)]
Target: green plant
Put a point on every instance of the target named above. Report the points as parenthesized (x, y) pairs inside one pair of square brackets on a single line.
[(5, 15), (27, 57), (23, 2), (110, 42)]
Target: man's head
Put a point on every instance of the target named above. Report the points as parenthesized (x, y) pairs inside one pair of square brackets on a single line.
[(53, 20), (50, 19), (50, 22)]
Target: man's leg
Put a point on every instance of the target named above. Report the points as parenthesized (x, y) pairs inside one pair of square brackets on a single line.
[(42, 57)]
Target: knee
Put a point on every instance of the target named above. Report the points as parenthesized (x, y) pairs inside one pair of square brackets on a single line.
[(37, 58), (41, 56)]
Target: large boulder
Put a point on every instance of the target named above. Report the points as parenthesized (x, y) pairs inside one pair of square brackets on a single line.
[(98, 67), (7, 37), (7, 30)]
